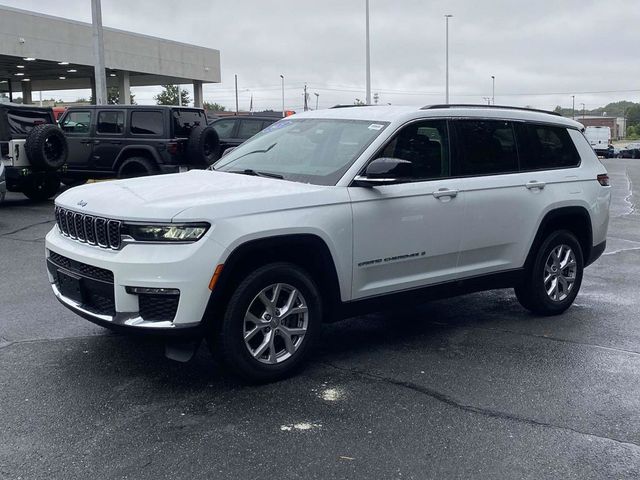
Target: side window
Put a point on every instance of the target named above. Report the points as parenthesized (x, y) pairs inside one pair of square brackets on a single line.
[(544, 146), (425, 144), (77, 122), (110, 123), (266, 123), (485, 147), (146, 123), (248, 128), (224, 128)]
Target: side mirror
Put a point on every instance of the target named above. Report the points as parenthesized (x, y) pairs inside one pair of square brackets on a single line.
[(384, 171)]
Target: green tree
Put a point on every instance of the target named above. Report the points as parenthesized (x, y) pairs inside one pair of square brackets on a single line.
[(169, 96), (113, 96), (633, 115), (214, 107), (357, 101)]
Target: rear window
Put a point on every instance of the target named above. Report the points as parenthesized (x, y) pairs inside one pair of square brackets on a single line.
[(545, 146), (146, 123), (185, 120), (21, 122)]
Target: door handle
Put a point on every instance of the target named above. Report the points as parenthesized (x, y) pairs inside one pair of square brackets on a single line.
[(534, 184), (445, 192)]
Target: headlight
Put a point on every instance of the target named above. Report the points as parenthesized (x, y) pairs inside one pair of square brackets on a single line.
[(168, 233)]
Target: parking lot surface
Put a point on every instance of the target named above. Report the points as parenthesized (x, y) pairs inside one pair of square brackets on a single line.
[(472, 387)]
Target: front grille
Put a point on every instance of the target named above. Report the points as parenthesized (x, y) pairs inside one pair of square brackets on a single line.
[(158, 307), (100, 304), (80, 268), (89, 229)]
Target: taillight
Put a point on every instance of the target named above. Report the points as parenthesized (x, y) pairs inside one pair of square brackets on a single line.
[(172, 148), (603, 180)]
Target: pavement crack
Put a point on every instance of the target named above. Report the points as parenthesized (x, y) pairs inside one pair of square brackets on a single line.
[(31, 225), (487, 412), (5, 343)]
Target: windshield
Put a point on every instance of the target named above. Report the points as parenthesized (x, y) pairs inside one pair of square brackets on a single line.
[(317, 151)]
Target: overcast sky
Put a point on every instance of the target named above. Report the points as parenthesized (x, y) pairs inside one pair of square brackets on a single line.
[(541, 52)]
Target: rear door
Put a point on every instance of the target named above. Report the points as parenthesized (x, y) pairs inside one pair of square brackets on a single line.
[(77, 127), (407, 235), (108, 138)]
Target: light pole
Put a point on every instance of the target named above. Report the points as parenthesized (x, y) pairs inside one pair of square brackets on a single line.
[(282, 77), (368, 57), (446, 95), (582, 110), (317, 98), (573, 107), (98, 52), (493, 89)]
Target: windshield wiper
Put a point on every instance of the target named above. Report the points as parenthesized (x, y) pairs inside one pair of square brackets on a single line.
[(255, 173)]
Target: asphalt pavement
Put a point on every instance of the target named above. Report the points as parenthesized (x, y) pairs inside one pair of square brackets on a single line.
[(471, 387)]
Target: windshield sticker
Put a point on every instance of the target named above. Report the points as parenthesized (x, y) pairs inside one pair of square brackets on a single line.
[(277, 125), (375, 126)]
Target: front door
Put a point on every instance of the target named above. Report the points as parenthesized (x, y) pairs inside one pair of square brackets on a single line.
[(77, 128), (407, 235), (108, 139)]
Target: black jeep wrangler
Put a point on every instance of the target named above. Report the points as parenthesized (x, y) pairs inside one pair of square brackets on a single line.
[(135, 140), (33, 150)]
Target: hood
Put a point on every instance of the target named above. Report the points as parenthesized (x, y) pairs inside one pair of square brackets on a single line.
[(162, 197)]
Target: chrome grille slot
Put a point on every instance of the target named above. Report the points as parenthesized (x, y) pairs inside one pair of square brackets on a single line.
[(89, 229), (78, 220), (113, 233), (101, 233), (71, 224)]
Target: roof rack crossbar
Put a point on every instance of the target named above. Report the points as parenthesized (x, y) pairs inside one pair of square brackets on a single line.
[(498, 107)]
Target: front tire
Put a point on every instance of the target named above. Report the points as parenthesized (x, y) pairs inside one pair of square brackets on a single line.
[(270, 323), (554, 278)]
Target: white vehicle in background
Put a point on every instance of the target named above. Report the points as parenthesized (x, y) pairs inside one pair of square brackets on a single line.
[(600, 140)]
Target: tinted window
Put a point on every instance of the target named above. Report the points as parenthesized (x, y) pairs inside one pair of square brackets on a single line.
[(185, 120), (485, 147), (22, 121), (146, 123), (543, 146), (425, 145), (224, 128), (248, 128), (77, 122), (110, 122)]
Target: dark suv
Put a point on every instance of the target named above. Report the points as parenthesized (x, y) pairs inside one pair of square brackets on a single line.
[(130, 141), (234, 130)]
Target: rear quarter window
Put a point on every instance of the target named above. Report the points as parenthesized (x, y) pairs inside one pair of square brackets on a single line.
[(545, 147), (147, 123)]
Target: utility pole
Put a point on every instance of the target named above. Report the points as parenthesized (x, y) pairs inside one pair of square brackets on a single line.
[(282, 78), (446, 95), (98, 52), (368, 58), (317, 99), (237, 110), (493, 89), (582, 110), (573, 107), (306, 97)]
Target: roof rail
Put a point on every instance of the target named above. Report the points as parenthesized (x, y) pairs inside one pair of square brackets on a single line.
[(349, 106), (499, 107)]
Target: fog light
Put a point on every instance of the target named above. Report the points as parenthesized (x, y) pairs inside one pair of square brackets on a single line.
[(152, 291)]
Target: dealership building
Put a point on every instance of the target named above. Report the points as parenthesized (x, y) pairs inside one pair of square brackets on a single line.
[(42, 52)]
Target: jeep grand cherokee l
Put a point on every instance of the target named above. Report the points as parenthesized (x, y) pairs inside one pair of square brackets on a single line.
[(330, 213)]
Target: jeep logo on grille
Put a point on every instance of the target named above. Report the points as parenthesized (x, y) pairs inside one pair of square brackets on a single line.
[(82, 203)]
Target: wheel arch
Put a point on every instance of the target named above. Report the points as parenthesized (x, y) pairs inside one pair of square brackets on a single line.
[(307, 250), (136, 151), (576, 219)]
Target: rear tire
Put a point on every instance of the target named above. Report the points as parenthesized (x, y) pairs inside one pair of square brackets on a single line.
[(554, 278), (270, 323), (137, 167), (41, 186)]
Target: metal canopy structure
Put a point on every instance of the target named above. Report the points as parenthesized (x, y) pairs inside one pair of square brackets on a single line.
[(42, 52)]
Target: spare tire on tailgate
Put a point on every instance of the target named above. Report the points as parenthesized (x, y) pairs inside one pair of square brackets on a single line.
[(46, 147), (204, 146)]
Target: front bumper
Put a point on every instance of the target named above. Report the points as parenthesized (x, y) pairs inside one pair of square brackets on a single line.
[(186, 267)]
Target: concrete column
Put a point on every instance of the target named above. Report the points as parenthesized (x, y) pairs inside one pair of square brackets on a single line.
[(124, 89), (197, 93), (26, 92), (92, 80)]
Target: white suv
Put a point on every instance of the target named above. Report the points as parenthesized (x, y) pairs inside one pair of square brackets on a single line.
[(330, 213)]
